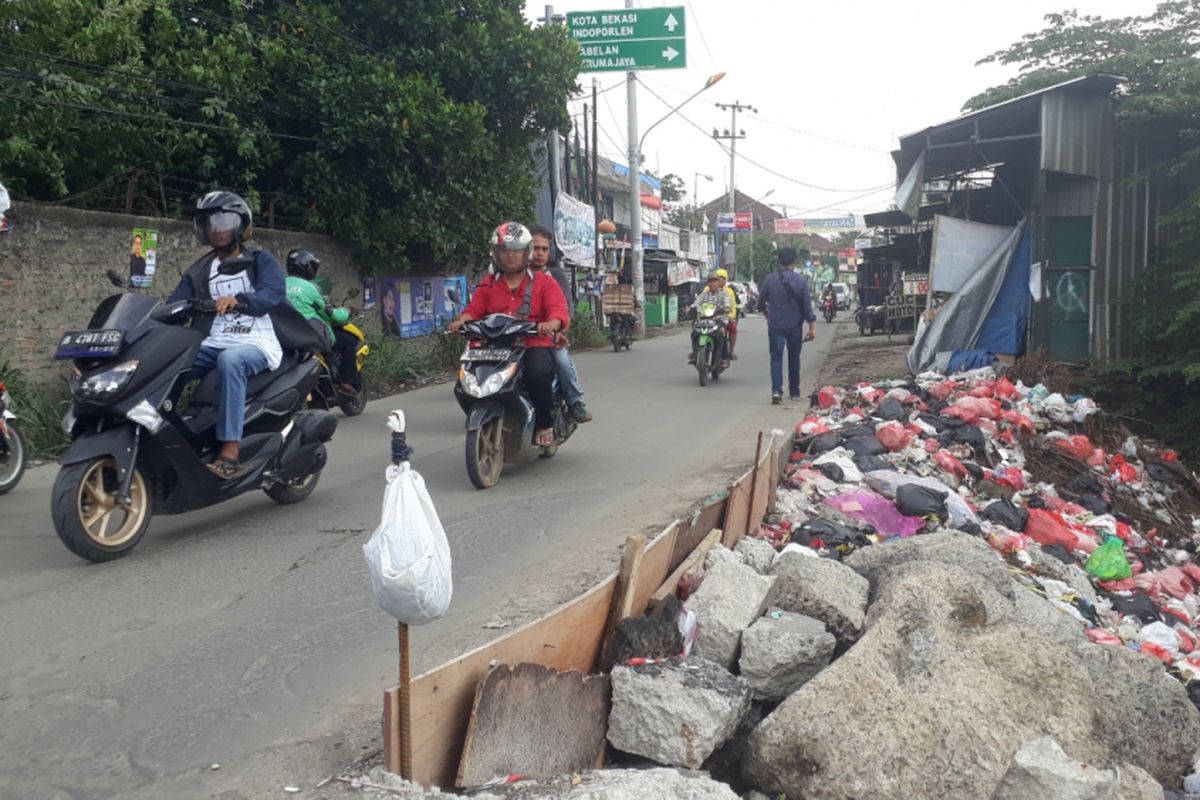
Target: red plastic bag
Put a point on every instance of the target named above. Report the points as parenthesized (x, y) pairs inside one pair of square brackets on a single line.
[(950, 464), (1078, 446), (941, 391), (972, 409), (982, 390), (1120, 470), (1170, 455), (1175, 583), (1046, 527), (1151, 649), (811, 426), (1005, 388), (1022, 423), (1187, 640), (893, 436), (1006, 542), (829, 397), (1124, 585), (1012, 477), (1148, 582), (932, 446), (1097, 458), (1123, 532), (1192, 571), (1101, 636)]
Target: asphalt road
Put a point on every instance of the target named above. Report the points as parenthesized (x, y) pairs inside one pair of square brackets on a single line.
[(246, 635)]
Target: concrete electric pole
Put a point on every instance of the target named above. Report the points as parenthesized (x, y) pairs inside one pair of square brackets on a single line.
[(729, 256)]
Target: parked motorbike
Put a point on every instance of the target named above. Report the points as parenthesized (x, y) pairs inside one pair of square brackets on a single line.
[(490, 390), (620, 331), (135, 452), (13, 453), (708, 354), (829, 308)]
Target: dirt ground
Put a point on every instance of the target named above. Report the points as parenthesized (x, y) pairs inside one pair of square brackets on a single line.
[(856, 358)]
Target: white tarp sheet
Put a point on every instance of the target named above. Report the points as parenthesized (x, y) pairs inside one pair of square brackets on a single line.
[(959, 249)]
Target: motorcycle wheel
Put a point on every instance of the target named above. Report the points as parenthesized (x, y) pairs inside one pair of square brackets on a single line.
[(84, 502), (353, 406), (287, 493), (485, 456), (702, 363), (12, 467)]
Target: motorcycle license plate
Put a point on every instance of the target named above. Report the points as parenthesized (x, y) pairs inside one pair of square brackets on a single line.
[(487, 354), (89, 344)]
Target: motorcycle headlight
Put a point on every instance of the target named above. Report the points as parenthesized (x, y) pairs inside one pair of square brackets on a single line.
[(491, 384), (109, 381)]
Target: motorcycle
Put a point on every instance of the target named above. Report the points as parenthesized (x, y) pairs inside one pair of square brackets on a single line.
[(708, 355), (325, 394), (500, 418), (829, 308), (620, 331), (136, 452), (13, 453)]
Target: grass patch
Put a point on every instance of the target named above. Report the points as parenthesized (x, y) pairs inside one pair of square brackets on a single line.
[(39, 411), (584, 332), (395, 364)]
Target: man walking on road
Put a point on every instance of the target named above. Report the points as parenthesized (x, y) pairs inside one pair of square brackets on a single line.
[(786, 303)]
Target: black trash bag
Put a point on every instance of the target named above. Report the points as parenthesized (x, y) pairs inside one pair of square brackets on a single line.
[(864, 446), (830, 533), (1085, 607), (970, 527), (1008, 514), (870, 463), (974, 470), (831, 471), (1059, 552), (824, 443), (934, 421), (1093, 503), (1161, 474), (856, 431), (1036, 501), (915, 500), (891, 409), (963, 434), (1138, 604), (1084, 483)]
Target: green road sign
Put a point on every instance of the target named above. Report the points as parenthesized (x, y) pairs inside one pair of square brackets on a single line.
[(630, 39)]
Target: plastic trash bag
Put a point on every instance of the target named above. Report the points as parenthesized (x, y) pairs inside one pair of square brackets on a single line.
[(1078, 446), (876, 511), (893, 436), (832, 471), (1175, 582), (914, 500), (1108, 562), (865, 446), (887, 481), (824, 443), (952, 465), (831, 535), (1048, 528), (5, 203), (408, 555), (890, 408), (870, 463), (844, 460), (1006, 513)]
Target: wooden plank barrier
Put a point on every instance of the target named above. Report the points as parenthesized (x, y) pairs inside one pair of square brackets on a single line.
[(737, 512)]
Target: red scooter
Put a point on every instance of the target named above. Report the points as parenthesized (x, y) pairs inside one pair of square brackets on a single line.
[(829, 308)]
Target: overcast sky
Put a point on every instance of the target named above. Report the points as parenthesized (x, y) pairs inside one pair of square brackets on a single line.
[(816, 72)]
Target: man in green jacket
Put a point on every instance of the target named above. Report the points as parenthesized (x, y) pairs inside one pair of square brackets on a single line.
[(305, 297)]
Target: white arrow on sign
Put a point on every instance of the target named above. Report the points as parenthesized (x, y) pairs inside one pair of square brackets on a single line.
[(671, 23), (670, 53)]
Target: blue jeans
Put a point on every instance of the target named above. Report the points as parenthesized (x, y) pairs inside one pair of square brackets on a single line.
[(792, 340), (233, 367), (568, 376)]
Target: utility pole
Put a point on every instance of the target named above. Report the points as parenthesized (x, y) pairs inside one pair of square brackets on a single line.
[(554, 155), (635, 201), (595, 182), (729, 258)]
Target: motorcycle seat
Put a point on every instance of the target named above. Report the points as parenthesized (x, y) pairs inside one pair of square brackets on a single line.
[(206, 393)]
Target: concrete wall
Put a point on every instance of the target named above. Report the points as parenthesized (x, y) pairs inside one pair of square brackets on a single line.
[(52, 266)]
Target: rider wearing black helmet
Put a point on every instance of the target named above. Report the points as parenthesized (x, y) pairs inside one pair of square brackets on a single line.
[(305, 297), (241, 340)]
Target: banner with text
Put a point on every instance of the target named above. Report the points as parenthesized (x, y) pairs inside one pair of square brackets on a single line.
[(575, 230), (741, 222), (806, 225)]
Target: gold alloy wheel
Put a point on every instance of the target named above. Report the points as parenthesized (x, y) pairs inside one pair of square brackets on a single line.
[(98, 509)]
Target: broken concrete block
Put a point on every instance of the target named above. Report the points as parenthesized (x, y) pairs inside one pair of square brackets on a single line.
[(659, 783), (676, 713), (782, 651), (758, 554), (1135, 783), (718, 554), (1042, 771), (534, 721), (730, 599), (825, 590)]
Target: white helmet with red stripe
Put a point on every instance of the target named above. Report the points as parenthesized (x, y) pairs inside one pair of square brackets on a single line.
[(511, 236)]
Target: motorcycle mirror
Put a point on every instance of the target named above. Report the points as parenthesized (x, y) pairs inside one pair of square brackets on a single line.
[(115, 279), (235, 265)]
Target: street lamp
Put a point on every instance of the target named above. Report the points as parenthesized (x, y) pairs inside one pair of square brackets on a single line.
[(696, 186), (635, 193)]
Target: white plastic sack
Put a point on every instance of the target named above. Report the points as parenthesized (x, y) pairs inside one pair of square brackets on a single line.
[(5, 203), (408, 555)]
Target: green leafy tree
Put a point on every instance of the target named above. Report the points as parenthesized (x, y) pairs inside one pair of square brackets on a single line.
[(673, 188), (405, 127), (1159, 56), (686, 217)]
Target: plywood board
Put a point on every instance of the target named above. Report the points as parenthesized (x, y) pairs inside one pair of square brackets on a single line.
[(667, 587), (567, 638), (691, 533), (622, 603), (737, 511), (656, 563), (535, 722)]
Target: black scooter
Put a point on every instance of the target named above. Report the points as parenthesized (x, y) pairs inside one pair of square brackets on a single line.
[(620, 331), (500, 418), (136, 453)]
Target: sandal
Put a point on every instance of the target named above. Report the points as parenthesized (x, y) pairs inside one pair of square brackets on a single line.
[(544, 437), (224, 468)]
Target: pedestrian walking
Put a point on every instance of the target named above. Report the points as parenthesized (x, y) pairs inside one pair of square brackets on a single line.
[(787, 304)]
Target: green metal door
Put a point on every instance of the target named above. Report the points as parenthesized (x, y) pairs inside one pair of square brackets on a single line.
[(1068, 287)]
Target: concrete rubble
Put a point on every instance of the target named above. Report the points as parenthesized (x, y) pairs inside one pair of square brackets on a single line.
[(732, 596), (823, 589), (782, 651)]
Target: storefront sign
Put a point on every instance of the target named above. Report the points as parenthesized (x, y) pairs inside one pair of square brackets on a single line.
[(916, 282), (901, 307), (741, 222)]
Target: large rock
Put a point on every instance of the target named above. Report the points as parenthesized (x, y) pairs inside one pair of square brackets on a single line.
[(676, 713), (932, 702), (731, 597), (782, 651), (756, 553), (625, 784), (823, 589), (946, 547), (1142, 714), (1033, 609), (1042, 771), (1137, 784)]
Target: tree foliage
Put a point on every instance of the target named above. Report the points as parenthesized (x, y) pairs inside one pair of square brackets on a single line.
[(1158, 56), (405, 127)]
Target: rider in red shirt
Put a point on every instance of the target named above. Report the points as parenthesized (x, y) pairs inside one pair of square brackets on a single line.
[(504, 293)]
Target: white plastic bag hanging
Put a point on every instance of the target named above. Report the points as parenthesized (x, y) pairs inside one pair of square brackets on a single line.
[(408, 555)]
